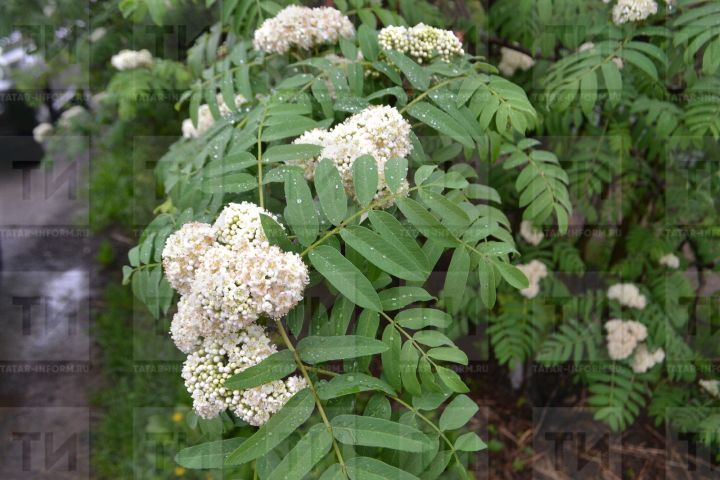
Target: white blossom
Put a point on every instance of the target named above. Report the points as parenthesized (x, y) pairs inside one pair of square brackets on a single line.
[(623, 336), (42, 132), (421, 42), (633, 10), (131, 59), (67, 117), (711, 386), (205, 118), (302, 27), (644, 359), (669, 260), (534, 271), (530, 234), (97, 34), (183, 254), (238, 225), (379, 131), (206, 370), (511, 60), (628, 295)]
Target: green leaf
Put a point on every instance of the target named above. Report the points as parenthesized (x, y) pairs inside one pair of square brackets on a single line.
[(351, 383), (391, 357), (365, 179), (432, 338), (452, 380), (276, 366), (300, 211), (409, 358), (456, 279), (207, 455), (331, 191), (275, 233), (345, 277), (234, 183), (334, 472), (395, 233), (416, 75), (400, 297), (295, 412), (366, 468), (458, 413), (378, 406), (511, 274), (367, 38), (426, 223), (382, 254), (316, 349), (395, 172), (285, 153), (469, 442), (448, 354), (417, 318), (306, 453), (378, 432), (442, 122)]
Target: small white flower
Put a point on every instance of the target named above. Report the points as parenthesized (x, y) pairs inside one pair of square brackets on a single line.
[(183, 254), (511, 60), (421, 42), (623, 336), (644, 359), (711, 386), (302, 27), (633, 10), (67, 117), (531, 234), (97, 34), (669, 260), (42, 132), (628, 295), (131, 59), (534, 271)]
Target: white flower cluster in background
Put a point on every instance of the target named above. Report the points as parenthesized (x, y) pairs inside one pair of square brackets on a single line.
[(512, 60), (303, 27), (669, 260), (205, 118), (530, 234), (229, 276), (534, 271), (68, 116), (628, 295), (623, 336), (131, 59), (379, 131), (644, 359), (711, 386), (206, 370), (42, 132), (633, 10), (421, 42)]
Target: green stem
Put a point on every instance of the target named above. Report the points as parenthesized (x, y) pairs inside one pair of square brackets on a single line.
[(303, 371), (261, 190)]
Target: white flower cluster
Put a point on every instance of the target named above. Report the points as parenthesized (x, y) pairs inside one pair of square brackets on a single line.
[(379, 131), (531, 234), (644, 359), (421, 42), (669, 260), (534, 271), (66, 118), (628, 295), (42, 132), (206, 370), (633, 10), (711, 386), (303, 27), (623, 336), (228, 276), (131, 59), (512, 59), (205, 118)]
